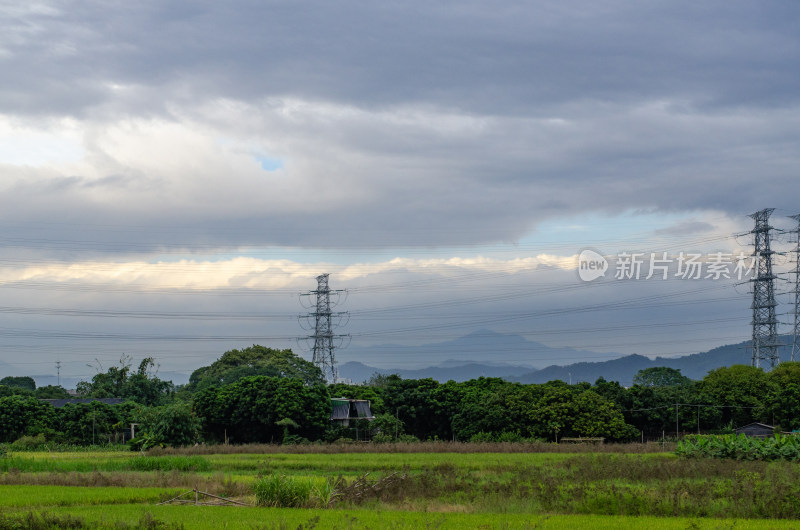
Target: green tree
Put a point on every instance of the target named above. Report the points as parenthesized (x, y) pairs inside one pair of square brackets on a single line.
[(555, 412), (413, 402), (248, 410), (141, 386), (660, 376), (51, 392), (24, 415), (175, 425), (782, 402), (652, 409), (107, 384), (595, 416), (256, 360), (87, 423), (494, 409), (145, 388), (737, 392), (387, 428), (24, 382), (14, 391)]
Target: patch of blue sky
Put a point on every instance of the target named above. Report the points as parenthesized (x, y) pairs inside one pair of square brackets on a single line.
[(269, 163)]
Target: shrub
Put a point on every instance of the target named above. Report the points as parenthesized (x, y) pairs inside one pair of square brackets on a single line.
[(29, 442), (740, 447), (174, 425), (284, 492), (484, 437)]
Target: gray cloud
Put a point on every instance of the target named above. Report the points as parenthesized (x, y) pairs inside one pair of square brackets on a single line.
[(498, 59), (399, 126)]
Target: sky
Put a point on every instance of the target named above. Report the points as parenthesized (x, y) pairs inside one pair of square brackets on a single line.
[(174, 174)]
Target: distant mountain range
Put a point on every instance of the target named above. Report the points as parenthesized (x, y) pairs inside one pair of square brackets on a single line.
[(527, 362), (359, 372), (476, 347), (621, 369)]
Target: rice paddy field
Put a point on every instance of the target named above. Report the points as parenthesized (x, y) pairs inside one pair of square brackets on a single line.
[(420, 486)]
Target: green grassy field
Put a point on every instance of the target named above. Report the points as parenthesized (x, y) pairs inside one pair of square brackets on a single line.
[(287, 518), (605, 489)]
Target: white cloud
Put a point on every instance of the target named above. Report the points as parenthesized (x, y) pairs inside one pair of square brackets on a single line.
[(51, 143)]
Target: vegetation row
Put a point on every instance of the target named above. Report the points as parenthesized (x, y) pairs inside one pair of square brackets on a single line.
[(262, 395)]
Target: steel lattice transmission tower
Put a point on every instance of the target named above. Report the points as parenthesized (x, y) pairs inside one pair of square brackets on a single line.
[(796, 327), (325, 320), (765, 341)]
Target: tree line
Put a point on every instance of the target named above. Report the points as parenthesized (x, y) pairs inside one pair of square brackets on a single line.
[(264, 395)]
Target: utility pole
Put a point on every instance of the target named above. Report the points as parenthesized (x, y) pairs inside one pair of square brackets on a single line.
[(58, 372), (765, 341), (796, 252), (324, 338)]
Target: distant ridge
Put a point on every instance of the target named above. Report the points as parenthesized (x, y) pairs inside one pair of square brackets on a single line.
[(359, 372), (621, 369), (477, 348)]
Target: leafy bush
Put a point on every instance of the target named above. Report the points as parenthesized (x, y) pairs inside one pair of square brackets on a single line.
[(174, 425), (484, 437), (740, 447), (294, 439), (145, 442), (23, 415), (29, 442), (283, 492)]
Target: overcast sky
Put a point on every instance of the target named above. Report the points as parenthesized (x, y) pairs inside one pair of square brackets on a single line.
[(173, 174)]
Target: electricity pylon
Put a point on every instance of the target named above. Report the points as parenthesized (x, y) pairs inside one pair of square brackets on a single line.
[(325, 341), (796, 327), (765, 341)]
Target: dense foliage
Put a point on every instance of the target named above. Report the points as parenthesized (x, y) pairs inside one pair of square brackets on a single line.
[(140, 386), (26, 383), (740, 447), (250, 409), (255, 360), (263, 395)]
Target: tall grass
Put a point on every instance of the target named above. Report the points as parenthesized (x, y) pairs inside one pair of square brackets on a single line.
[(418, 447), (53, 447), (19, 464), (48, 521), (280, 491), (217, 483), (604, 484)]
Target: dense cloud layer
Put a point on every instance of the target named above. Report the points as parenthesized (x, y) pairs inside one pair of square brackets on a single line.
[(153, 146), (395, 124)]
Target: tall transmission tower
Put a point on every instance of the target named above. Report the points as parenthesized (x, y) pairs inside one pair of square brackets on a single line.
[(796, 252), (765, 341), (325, 320)]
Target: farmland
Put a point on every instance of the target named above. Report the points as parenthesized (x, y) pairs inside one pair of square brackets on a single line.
[(433, 485)]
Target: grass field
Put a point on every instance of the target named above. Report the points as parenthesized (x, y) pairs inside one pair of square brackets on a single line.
[(433, 489)]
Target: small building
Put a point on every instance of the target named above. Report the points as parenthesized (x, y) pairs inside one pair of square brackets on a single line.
[(343, 410), (757, 430)]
